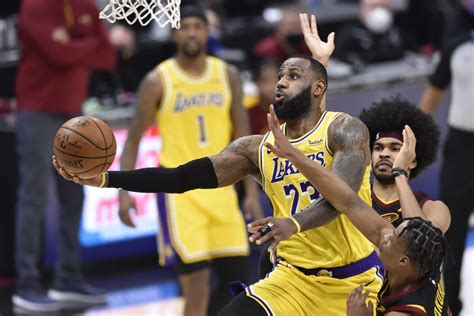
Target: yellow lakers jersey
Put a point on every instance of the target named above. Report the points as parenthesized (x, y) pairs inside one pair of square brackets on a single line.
[(194, 118), (194, 114), (335, 244)]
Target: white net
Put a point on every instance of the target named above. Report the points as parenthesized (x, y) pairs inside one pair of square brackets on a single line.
[(143, 11)]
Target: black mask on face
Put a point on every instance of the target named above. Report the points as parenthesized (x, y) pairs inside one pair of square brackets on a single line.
[(294, 40), (294, 108)]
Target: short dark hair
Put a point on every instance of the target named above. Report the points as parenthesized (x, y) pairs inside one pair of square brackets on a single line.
[(316, 66), (263, 65), (391, 115), (426, 246), (193, 11)]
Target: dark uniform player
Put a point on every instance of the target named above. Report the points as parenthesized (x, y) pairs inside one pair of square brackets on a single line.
[(427, 297), (392, 149), (392, 211)]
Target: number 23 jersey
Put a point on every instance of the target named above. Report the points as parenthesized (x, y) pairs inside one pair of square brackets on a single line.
[(335, 244)]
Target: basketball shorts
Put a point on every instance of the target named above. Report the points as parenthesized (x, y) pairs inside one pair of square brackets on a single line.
[(200, 225), (288, 291)]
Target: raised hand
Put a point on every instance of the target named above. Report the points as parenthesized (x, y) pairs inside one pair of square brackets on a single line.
[(407, 155), (320, 50)]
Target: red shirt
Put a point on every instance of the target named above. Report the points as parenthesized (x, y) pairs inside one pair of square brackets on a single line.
[(53, 77), (270, 47)]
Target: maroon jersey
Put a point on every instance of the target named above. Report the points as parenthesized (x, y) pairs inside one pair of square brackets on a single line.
[(392, 211)]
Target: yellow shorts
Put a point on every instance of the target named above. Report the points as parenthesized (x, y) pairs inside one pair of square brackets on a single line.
[(288, 291), (200, 225)]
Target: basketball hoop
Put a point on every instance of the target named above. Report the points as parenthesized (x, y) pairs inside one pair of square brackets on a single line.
[(143, 11)]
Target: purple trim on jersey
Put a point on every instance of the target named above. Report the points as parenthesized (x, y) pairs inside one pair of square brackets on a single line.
[(321, 120), (266, 306), (164, 230), (348, 270)]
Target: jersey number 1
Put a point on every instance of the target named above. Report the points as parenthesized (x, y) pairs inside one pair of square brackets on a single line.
[(202, 130)]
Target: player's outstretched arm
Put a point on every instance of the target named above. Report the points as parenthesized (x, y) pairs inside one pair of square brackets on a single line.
[(331, 186), (236, 161)]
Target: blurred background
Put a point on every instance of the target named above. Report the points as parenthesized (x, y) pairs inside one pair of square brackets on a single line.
[(256, 36)]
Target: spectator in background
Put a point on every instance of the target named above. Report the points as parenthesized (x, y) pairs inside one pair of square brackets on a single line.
[(266, 80), (287, 40), (457, 174), (9, 54), (373, 38), (61, 40), (214, 45)]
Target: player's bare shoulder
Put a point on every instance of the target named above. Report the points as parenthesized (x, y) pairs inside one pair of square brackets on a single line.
[(347, 132)]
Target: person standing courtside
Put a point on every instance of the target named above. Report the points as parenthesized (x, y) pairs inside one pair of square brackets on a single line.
[(61, 41), (457, 175), (196, 101)]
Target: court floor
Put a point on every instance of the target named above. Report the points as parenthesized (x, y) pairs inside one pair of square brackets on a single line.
[(156, 293), (173, 306)]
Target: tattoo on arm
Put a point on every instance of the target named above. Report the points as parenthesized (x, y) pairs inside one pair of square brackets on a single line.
[(349, 140), (237, 160)]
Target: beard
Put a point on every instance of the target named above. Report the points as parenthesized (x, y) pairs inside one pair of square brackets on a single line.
[(294, 108), (192, 52), (384, 179)]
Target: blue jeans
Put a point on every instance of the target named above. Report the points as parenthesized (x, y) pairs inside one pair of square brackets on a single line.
[(35, 133)]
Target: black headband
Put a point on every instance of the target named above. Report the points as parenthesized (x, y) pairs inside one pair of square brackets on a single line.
[(194, 12)]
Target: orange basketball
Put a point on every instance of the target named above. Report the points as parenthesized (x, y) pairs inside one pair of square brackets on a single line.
[(85, 146)]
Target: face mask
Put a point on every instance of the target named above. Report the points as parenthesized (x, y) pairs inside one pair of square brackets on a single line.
[(294, 40), (379, 20)]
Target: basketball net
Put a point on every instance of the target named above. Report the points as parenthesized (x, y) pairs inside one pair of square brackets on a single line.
[(143, 11)]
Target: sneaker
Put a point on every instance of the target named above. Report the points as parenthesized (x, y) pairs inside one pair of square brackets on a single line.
[(34, 299), (77, 291)]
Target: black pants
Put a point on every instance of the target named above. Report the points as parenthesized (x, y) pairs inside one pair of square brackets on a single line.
[(243, 305), (8, 187), (457, 191), (224, 271)]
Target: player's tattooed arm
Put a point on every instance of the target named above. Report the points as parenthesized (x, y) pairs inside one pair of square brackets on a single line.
[(349, 141), (237, 160)]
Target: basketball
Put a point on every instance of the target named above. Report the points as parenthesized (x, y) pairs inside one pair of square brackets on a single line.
[(85, 147)]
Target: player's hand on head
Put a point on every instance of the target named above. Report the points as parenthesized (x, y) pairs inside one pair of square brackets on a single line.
[(95, 182), (282, 147), (356, 303), (270, 227), (407, 153), (320, 50), (127, 204)]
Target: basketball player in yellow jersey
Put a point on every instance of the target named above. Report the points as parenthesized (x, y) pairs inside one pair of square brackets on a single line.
[(196, 101), (317, 268)]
